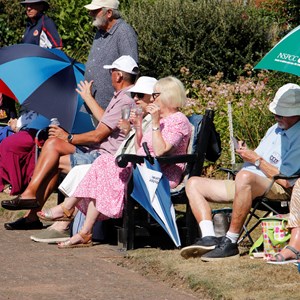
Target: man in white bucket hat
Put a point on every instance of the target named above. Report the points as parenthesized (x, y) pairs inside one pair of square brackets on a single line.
[(278, 152), (113, 39)]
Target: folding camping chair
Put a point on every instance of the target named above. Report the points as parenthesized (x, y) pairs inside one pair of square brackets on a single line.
[(267, 207), (261, 207), (206, 141)]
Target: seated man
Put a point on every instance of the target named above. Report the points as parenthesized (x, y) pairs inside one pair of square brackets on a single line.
[(278, 152), (141, 93), (62, 150)]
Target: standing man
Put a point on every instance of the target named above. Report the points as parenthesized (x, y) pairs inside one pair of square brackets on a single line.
[(40, 29), (114, 38)]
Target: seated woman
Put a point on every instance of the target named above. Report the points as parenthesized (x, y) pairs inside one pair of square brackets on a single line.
[(141, 93), (17, 152), (291, 253), (100, 195)]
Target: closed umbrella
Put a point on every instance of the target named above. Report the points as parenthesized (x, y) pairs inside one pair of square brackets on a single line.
[(151, 190), (44, 80)]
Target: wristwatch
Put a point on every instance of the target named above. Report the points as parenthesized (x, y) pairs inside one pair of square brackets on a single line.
[(70, 138), (258, 162)]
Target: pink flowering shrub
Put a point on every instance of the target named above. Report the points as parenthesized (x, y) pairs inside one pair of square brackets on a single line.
[(249, 97)]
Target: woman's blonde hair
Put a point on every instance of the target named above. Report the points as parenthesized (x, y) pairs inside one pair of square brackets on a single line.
[(172, 91)]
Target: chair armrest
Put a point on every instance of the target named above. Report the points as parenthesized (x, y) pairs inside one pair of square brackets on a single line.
[(230, 171), (281, 176), (122, 160)]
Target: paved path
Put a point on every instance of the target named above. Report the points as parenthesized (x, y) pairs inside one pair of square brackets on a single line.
[(30, 270)]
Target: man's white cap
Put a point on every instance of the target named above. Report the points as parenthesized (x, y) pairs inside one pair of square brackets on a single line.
[(286, 102), (124, 63), (143, 85), (97, 4)]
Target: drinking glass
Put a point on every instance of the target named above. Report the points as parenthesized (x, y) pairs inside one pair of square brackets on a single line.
[(126, 112)]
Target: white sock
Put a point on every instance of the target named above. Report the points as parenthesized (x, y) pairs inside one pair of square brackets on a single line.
[(232, 236), (207, 228)]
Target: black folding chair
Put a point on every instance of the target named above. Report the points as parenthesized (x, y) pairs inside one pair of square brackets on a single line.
[(267, 207), (136, 222)]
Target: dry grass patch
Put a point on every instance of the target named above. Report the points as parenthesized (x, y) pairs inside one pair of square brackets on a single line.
[(243, 278)]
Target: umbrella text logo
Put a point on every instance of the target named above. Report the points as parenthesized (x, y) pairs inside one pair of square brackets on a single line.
[(288, 59)]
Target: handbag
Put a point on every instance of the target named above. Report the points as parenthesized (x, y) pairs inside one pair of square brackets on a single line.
[(275, 235)]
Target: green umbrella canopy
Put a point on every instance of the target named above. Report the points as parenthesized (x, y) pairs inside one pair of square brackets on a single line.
[(285, 55)]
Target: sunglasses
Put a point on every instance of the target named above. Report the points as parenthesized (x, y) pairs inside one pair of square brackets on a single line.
[(278, 117), (155, 95), (138, 95)]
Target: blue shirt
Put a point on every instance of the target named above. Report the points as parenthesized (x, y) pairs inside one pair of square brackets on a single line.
[(108, 46), (280, 148), (42, 32)]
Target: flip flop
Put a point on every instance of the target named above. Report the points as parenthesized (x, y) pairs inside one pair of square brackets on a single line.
[(281, 260), (46, 215)]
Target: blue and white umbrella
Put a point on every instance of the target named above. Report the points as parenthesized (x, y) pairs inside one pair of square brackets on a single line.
[(151, 190)]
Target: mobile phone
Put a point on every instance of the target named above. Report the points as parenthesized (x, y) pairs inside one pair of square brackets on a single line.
[(235, 142)]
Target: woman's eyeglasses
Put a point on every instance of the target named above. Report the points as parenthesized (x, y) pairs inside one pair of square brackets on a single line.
[(139, 95), (155, 95)]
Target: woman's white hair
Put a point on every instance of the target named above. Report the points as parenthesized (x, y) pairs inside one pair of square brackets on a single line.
[(172, 91)]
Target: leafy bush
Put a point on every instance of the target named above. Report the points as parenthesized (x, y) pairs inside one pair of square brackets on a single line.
[(204, 36), (249, 96)]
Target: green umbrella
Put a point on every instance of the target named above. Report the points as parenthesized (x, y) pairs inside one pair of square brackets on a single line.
[(285, 55)]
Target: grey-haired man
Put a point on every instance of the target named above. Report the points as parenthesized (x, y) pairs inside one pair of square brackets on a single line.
[(278, 152), (113, 39)]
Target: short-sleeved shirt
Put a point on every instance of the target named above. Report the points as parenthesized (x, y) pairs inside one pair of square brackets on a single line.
[(280, 148), (176, 130), (110, 118), (42, 32), (108, 46)]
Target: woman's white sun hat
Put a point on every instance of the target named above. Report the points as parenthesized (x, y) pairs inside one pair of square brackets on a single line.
[(143, 85)]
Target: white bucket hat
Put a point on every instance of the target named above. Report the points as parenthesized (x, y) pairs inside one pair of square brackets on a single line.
[(286, 102), (124, 63), (143, 85), (97, 4)]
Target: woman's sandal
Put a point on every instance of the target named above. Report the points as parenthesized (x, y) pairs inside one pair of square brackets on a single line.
[(281, 260), (86, 242), (46, 215)]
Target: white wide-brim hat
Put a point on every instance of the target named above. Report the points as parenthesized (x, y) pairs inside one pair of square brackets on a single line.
[(286, 102), (97, 4), (143, 85), (124, 63)]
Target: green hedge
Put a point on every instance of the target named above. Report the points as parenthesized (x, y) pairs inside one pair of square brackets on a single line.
[(204, 36)]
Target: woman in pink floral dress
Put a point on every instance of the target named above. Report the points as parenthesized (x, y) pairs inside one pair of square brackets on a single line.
[(100, 195)]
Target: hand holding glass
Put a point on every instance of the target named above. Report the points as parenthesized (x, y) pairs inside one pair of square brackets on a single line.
[(126, 112)]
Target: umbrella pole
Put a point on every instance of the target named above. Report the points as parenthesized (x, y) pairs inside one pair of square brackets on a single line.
[(232, 151)]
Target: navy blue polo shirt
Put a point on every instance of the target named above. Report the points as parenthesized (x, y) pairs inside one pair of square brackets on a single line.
[(42, 32)]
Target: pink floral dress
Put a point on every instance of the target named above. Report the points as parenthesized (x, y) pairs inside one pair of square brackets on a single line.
[(105, 182)]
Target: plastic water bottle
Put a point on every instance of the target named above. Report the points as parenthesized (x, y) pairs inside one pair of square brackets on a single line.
[(54, 121)]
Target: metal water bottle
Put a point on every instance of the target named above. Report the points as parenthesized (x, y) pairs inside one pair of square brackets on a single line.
[(54, 121)]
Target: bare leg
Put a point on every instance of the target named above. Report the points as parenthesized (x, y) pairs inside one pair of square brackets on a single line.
[(91, 217), (48, 164), (201, 190), (47, 188), (248, 186)]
